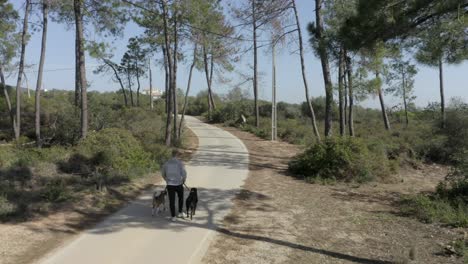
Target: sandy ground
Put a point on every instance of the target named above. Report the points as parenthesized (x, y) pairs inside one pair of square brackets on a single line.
[(29, 240), (280, 219)]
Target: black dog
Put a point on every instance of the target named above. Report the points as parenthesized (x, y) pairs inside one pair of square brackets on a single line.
[(191, 202)]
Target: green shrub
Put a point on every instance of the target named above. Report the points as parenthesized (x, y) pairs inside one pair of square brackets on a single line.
[(449, 204), (55, 191), (347, 159), (295, 131), (461, 248), (159, 153), (118, 151), (8, 156), (6, 207), (432, 209)]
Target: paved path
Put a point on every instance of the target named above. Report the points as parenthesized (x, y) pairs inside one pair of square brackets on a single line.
[(218, 168)]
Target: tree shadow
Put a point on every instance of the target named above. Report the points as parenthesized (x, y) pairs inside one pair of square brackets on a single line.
[(213, 210)]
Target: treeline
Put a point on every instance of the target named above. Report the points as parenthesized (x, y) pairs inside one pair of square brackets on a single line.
[(369, 42)]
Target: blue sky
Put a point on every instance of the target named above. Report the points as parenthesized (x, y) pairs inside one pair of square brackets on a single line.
[(59, 68)]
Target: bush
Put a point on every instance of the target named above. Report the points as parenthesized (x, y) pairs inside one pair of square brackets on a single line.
[(449, 204), (347, 159), (6, 207), (231, 111), (118, 151), (295, 131), (55, 191), (8, 156), (435, 209)]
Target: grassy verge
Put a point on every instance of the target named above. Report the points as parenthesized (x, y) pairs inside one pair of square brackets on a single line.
[(434, 209)]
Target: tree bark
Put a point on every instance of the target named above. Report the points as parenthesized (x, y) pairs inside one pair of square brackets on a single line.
[(349, 71), (255, 78), (174, 81), (77, 70), (81, 61), (304, 79), (138, 84), (150, 84), (166, 79), (116, 73), (340, 92), (207, 75), (21, 69), (169, 66), (8, 101), (404, 98), (442, 95), (45, 11), (129, 80), (345, 84), (325, 68), (188, 89), (211, 82), (382, 104)]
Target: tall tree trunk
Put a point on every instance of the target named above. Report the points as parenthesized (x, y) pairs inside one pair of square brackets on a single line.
[(340, 92), (255, 77), (304, 79), (138, 84), (325, 68), (349, 71), (117, 76), (345, 84), (169, 66), (382, 104), (21, 69), (8, 101), (405, 104), (166, 80), (207, 75), (174, 81), (211, 82), (150, 84), (77, 70), (188, 89), (81, 56), (129, 80), (45, 11), (442, 95)]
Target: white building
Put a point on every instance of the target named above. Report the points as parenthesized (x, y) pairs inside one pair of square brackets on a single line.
[(156, 94)]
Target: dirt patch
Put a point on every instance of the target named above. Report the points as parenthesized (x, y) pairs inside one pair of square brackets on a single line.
[(27, 241), (280, 219)]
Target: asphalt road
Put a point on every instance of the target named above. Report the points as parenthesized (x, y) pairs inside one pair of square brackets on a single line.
[(218, 169)]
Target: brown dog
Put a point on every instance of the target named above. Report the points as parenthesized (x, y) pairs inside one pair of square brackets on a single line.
[(159, 200)]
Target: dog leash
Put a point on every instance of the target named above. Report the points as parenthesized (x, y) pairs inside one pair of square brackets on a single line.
[(186, 187)]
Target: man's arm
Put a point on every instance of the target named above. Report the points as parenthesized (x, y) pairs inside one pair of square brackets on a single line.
[(183, 171)]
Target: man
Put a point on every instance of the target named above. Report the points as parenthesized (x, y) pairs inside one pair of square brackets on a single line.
[(174, 174)]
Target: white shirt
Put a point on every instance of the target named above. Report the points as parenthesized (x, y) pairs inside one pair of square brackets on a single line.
[(173, 172)]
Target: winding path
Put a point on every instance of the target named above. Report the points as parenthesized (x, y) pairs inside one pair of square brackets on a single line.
[(218, 168)]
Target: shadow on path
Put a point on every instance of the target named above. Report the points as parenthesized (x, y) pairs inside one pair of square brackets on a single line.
[(212, 210)]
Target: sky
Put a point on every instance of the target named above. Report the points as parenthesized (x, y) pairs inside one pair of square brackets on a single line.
[(60, 61)]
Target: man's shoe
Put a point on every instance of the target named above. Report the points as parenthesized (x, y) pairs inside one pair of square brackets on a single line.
[(173, 219), (180, 215)]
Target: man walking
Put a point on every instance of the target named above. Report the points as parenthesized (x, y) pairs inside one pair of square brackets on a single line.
[(174, 174)]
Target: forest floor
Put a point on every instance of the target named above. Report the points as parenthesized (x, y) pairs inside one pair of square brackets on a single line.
[(281, 219), (26, 241)]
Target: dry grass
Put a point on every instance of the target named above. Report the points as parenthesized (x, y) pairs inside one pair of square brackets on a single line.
[(280, 219), (24, 242)]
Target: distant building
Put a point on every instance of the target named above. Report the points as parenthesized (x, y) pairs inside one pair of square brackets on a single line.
[(156, 94)]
